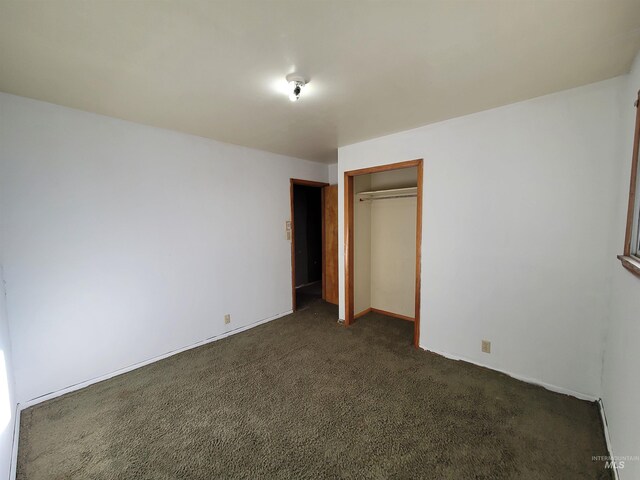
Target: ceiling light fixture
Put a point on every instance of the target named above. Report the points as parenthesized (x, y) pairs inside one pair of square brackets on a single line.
[(296, 84)]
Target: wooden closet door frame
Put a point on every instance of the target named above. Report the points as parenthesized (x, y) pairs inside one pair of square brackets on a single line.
[(348, 237), (308, 183), (325, 247)]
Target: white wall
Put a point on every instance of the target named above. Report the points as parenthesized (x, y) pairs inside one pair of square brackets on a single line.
[(517, 207), (7, 400), (123, 242), (620, 385), (393, 244), (333, 173), (405, 177), (393, 255)]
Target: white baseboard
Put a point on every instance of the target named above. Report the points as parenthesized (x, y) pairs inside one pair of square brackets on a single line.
[(533, 381), (14, 446), (86, 383), (607, 438)]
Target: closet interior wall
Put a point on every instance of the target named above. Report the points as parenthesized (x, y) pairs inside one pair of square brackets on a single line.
[(385, 245), (362, 247)]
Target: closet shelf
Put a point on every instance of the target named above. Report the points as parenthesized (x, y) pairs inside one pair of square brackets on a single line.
[(389, 193)]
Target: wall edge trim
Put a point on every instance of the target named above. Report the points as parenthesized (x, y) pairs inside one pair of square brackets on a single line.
[(607, 437), (14, 445)]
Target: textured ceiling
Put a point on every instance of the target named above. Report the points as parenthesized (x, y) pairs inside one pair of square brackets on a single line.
[(212, 68)]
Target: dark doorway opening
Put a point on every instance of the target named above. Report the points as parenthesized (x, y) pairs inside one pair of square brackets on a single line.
[(307, 241)]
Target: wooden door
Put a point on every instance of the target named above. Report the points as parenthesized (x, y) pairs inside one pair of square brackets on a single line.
[(330, 260)]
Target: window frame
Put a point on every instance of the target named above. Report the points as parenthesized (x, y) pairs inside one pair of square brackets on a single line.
[(631, 257)]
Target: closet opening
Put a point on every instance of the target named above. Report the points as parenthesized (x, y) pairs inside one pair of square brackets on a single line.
[(311, 250), (383, 241)]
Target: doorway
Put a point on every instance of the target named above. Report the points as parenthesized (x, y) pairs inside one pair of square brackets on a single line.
[(353, 181), (312, 244)]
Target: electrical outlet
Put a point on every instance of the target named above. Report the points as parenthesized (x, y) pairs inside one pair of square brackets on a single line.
[(227, 318), (486, 346)]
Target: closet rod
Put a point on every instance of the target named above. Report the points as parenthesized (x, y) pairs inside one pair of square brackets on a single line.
[(389, 196)]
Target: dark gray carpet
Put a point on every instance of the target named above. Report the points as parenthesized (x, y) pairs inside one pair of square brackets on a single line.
[(302, 397), (308, 295)]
